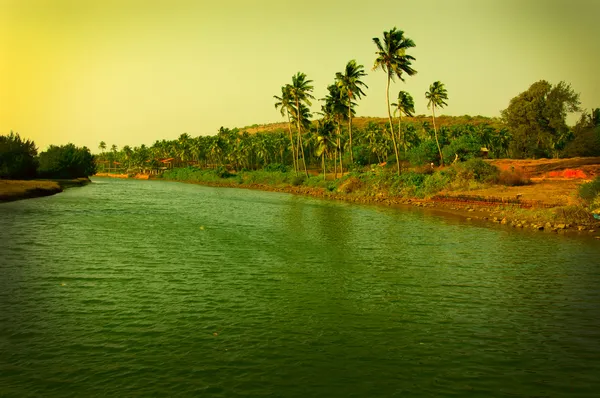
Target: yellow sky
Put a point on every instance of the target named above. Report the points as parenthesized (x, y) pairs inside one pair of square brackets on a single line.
[(132, 72)]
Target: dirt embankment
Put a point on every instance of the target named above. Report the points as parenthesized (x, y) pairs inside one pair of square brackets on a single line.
[(11, 190)]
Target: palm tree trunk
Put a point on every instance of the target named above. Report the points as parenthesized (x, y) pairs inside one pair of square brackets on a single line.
[(350, 125), (387, 96), (291, 142), (300, 137), (339, 145), (323, 161), (436, 135), (335, 164)]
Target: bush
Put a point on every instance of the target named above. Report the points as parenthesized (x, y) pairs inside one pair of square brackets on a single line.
[(466, 147), (513, 178), (586, 143), (476, 169), (425, 153), (276, 167), (297, 180), (435, 183), (17, 157), (590, 191), (222, 172), (67, 161)]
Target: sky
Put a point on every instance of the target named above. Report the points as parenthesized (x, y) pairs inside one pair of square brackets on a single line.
[(131, 72)]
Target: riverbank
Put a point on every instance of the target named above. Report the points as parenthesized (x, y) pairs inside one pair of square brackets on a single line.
[(11, 190), (472, 190), (560, 219)]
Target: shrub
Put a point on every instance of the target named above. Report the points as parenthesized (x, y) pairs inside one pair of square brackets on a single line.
[(590, 191), (350, 185), (67, 161), (297, 180), (222, 172), (476, 169), (513, 178), (425, 153), (412, 178), (465, 147), (17, 157), (276, 167), (435, 183)]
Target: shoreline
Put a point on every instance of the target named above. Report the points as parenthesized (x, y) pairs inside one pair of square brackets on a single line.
[(13, 190), (541, 219)]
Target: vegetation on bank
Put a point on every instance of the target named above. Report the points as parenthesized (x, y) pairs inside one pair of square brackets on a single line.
[(19, 160), (590, 193), (417, 183)]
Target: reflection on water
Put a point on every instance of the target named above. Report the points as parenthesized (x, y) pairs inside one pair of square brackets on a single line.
[(153, 288)]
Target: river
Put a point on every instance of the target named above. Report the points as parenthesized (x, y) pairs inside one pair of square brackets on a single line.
[(151, 288)]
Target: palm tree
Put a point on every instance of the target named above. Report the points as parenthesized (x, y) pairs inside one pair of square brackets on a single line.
[(128, 153), (393, 60), (102, 147), (405, 106), (350, 83), (113, 153), (436, 96), (300, 95), (285, 103), (337, 108), (324, 141)]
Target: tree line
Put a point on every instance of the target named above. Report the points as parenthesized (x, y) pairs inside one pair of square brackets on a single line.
[(19, 159), (533, 125)]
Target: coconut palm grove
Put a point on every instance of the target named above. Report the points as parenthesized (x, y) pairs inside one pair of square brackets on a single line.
[(333, 140)]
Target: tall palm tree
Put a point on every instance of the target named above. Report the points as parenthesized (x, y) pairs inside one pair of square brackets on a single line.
[(102, 148), (113, 153), (436, 96), (337, 108), (324, 141), (300, 94), (285, 103), (393, 60), (128, 153), (350, 83), (405, 106)]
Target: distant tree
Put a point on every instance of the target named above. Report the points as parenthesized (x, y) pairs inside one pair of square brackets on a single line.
[(325, 142), (350, 83), (300, 94), (393, 60), (537, 118), (67, 161), (436, 96), (284, 103), (405, 105), (128, 152), (17, 157), (337, 108), (586, 136)]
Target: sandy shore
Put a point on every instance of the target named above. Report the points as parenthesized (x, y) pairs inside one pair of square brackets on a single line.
[(11, 190)]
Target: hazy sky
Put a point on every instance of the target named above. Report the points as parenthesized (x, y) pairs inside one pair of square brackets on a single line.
[(132, 72)]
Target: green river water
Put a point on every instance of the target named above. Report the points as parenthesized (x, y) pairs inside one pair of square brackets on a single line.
[(151, 288)]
